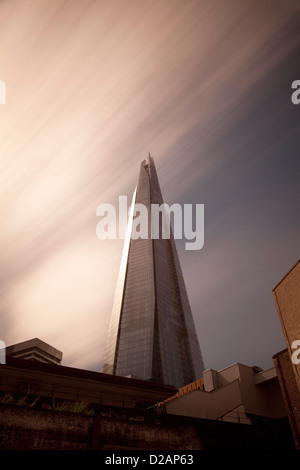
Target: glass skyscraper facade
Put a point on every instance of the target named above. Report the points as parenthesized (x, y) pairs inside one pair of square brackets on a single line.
[(151, 333)]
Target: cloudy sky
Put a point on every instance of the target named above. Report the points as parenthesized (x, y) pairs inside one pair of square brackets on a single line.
[(91, 88)]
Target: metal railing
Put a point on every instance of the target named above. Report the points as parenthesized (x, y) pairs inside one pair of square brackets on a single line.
[(235, 417)]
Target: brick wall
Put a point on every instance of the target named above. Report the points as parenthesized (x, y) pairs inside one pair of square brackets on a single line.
[(24, 428), (290, 391), (287, 298)]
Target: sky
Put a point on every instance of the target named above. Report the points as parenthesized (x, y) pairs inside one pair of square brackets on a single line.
[(91, 88)]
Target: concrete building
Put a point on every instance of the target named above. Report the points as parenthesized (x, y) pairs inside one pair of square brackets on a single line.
[(60, 383), (238, 393), (49, 407), (287, 362), (35, 350)]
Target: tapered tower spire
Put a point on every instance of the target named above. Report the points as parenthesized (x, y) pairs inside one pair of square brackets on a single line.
[(151, 333)]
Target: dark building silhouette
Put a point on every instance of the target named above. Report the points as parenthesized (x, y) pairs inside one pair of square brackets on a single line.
[(152, 333)]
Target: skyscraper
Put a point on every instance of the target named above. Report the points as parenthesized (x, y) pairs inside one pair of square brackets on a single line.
[(151, 333)]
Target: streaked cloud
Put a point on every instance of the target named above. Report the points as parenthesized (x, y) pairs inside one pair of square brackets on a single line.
[(92, 87)]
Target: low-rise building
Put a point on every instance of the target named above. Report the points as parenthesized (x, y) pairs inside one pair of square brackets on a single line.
[(35, 350), (238, 393)]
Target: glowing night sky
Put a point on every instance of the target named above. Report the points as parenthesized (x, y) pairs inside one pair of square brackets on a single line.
[(91, 88)]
